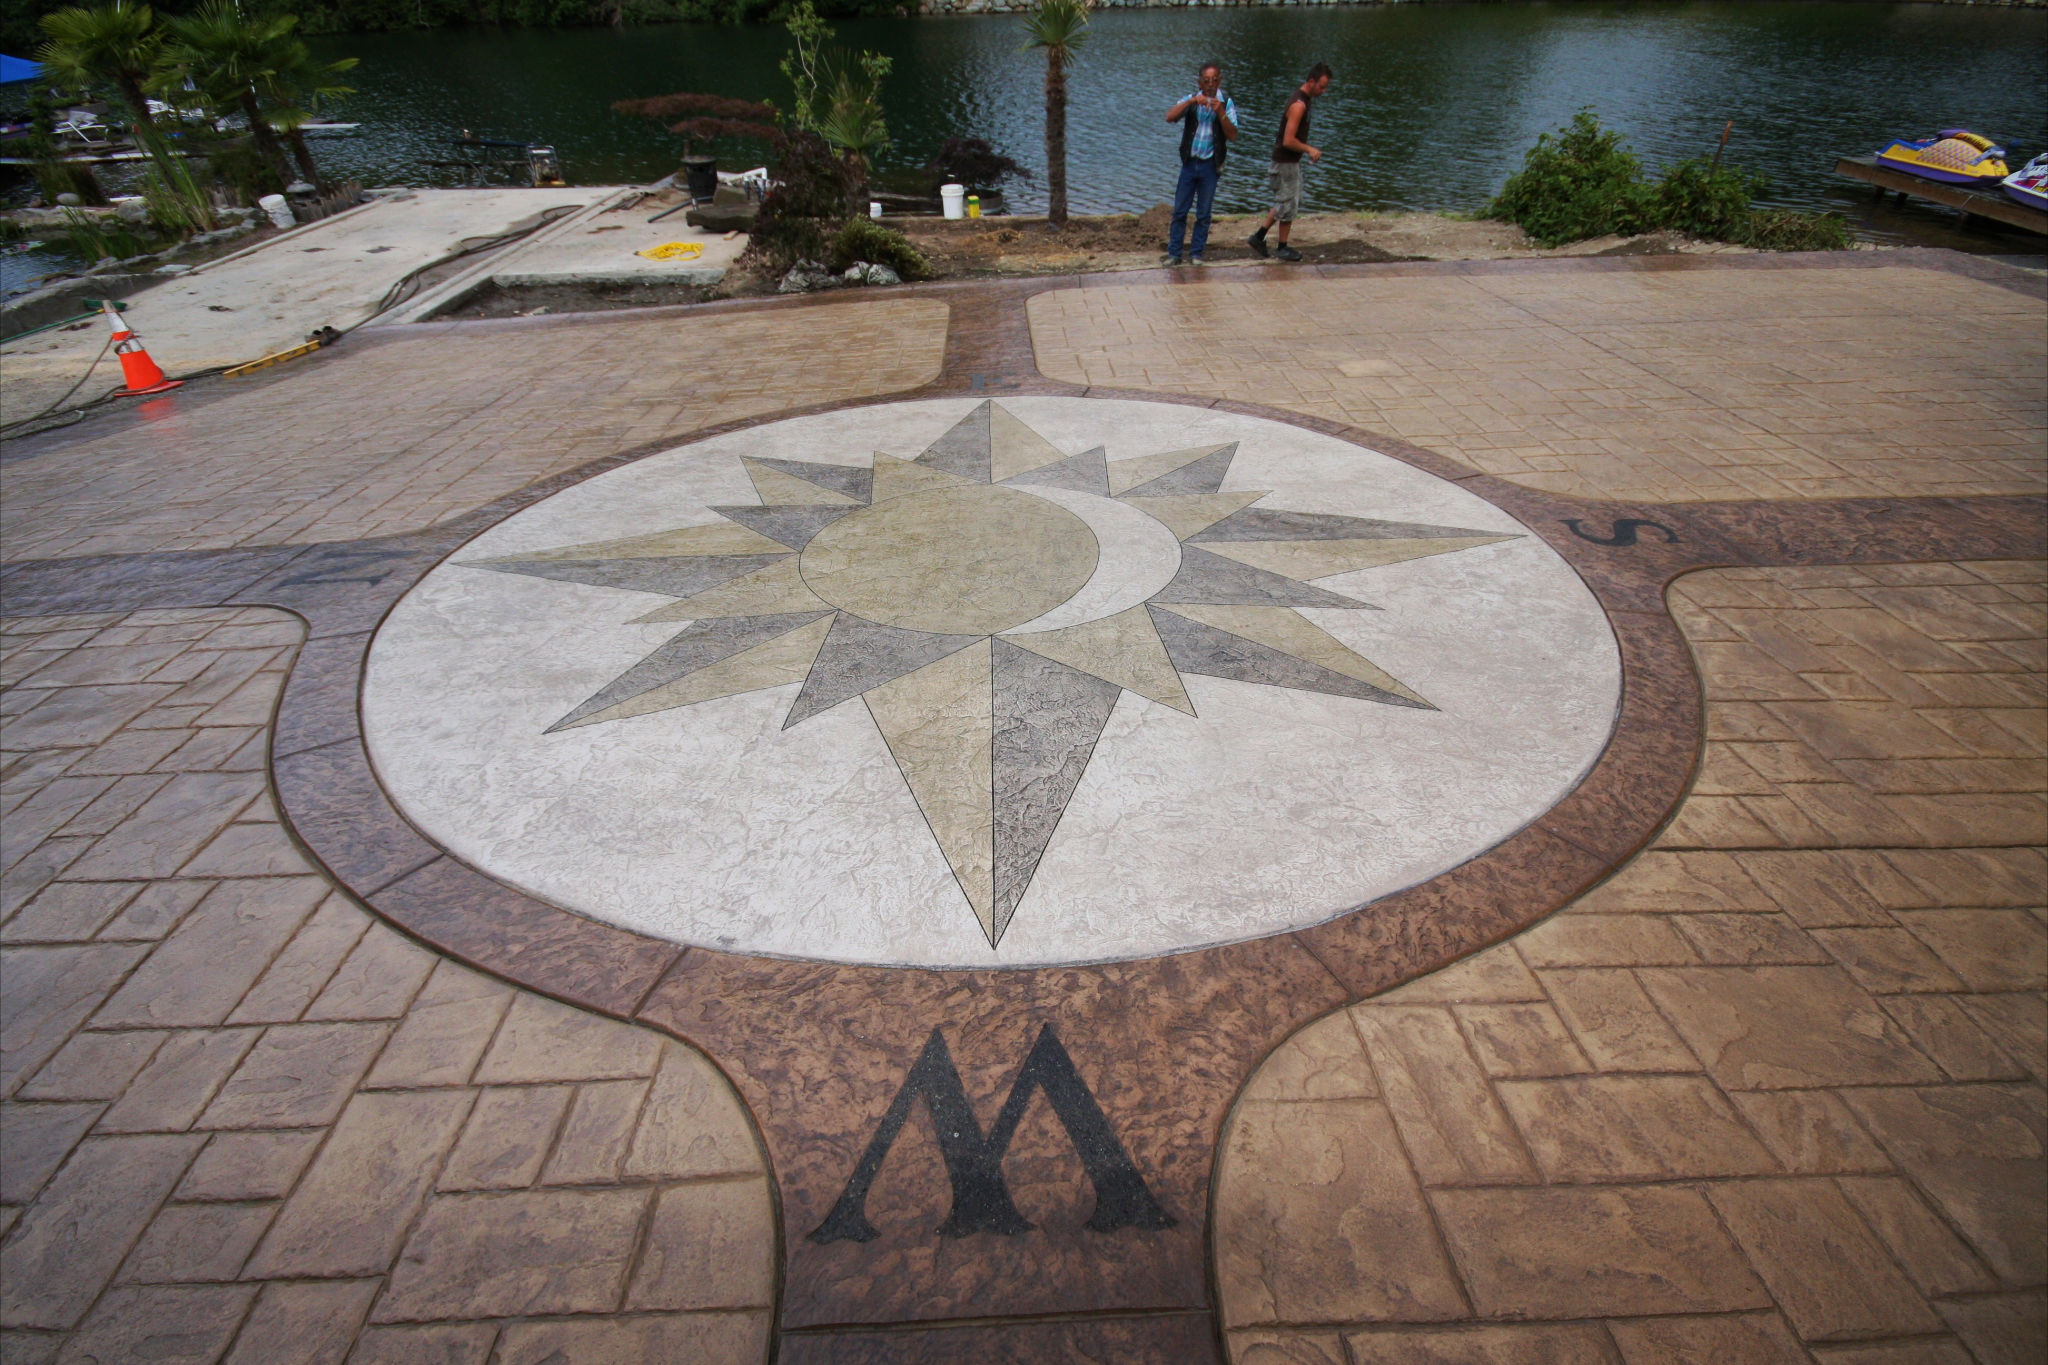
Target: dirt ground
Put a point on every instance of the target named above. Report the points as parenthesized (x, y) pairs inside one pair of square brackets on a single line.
[(1026, 246), (981, 247)]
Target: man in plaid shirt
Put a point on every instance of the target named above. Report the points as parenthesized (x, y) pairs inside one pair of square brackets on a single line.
[(1208, 123)]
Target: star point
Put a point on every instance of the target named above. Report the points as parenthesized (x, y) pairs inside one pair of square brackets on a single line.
[(992, 729)]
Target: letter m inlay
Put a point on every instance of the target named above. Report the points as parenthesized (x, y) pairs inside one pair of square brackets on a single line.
[(974, 1164)]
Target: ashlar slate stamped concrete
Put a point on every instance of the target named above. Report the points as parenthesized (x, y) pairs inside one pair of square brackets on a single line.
[(246, 1120), (1161, 1048), (1737, 1101)]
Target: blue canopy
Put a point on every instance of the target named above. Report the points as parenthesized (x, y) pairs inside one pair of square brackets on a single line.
[(18, 69)]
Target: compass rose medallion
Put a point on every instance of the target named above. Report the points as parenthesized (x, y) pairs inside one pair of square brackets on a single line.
[(988, 600)]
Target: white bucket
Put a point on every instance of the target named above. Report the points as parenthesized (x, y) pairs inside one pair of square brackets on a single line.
[(874, 208), (954, 197), (280, 212)]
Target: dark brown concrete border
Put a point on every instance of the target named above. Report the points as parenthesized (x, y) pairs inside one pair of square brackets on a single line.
[(817, 1051)]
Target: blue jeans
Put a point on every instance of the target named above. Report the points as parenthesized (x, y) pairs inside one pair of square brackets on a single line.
[(1198, 187)]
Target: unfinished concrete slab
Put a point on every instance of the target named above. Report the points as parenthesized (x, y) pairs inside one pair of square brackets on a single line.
[(333, 273)]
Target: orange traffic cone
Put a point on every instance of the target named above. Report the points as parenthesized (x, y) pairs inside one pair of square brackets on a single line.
[(138, 371)]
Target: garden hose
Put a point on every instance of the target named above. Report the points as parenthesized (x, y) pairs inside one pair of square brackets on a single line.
[(403, 289), (105, 346)]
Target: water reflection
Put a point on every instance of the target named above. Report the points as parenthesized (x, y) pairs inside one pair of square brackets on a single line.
[(1434, 104)]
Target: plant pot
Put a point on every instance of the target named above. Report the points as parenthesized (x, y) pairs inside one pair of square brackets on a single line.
[(700, 177)]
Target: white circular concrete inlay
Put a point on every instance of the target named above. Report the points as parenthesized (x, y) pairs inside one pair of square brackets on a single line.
[(959, 683)]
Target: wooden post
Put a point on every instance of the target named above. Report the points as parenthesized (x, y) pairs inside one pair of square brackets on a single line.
[(1724, 143)]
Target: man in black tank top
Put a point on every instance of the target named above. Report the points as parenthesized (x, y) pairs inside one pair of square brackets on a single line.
[(1285, 173)]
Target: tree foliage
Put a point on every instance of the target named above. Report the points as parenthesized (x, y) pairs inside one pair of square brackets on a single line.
[(118, 43), (258, 66), (19, 18), (835, 93)]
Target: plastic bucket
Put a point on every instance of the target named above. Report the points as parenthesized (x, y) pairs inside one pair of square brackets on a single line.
[(874, 208), (954, 199), (280, 212)]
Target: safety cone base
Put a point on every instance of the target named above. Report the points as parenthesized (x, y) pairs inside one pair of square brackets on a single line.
[(163, 387)]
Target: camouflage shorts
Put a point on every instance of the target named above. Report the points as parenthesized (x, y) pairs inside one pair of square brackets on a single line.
[(1285, 179)]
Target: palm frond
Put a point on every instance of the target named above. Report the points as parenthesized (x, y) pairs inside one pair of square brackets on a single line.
[(1059, 27)]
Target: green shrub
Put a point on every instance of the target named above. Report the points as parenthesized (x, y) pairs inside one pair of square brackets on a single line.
[(1583, 182), (1579, 182), (863, 239), (1791, 230), (1704, 200)]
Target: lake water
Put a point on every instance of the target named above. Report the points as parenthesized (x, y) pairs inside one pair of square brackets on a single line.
[(1433, 104)]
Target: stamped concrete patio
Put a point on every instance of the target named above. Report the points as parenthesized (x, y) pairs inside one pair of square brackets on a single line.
[(1739, 1055)]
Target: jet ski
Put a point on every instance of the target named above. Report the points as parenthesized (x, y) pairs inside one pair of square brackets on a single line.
[(1955, 156), (2029, 184)]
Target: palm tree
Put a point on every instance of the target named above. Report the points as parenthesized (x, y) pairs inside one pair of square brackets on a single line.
[(225, 56), (1060, 27), (850, 115), (119, 43), (262, 68), (296, 86)]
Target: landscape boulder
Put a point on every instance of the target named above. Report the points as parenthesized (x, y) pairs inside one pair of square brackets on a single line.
[(868, 272), (805, 276)]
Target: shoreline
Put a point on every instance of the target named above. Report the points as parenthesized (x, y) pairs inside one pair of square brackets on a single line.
[(1021, 247)]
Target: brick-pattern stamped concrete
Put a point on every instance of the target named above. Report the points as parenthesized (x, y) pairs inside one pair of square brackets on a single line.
[(397, 431), (247, 1121), (1664, 385)]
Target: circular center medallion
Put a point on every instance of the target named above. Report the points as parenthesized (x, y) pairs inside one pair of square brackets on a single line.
[(955, 561), (1042, 681)]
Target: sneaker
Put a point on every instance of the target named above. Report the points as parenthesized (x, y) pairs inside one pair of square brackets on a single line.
[(1287, 253), (1196, 260), (1173, 260), (1257, 242)]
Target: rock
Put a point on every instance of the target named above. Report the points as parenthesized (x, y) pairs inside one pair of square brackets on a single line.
[(722, 217), (134, 210), (805, 276), (226, 234), (866, 272), (69, 200), (172, 269)]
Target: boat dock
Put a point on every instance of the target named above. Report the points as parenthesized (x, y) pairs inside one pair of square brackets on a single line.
[(1994, 203), (105, 158)]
